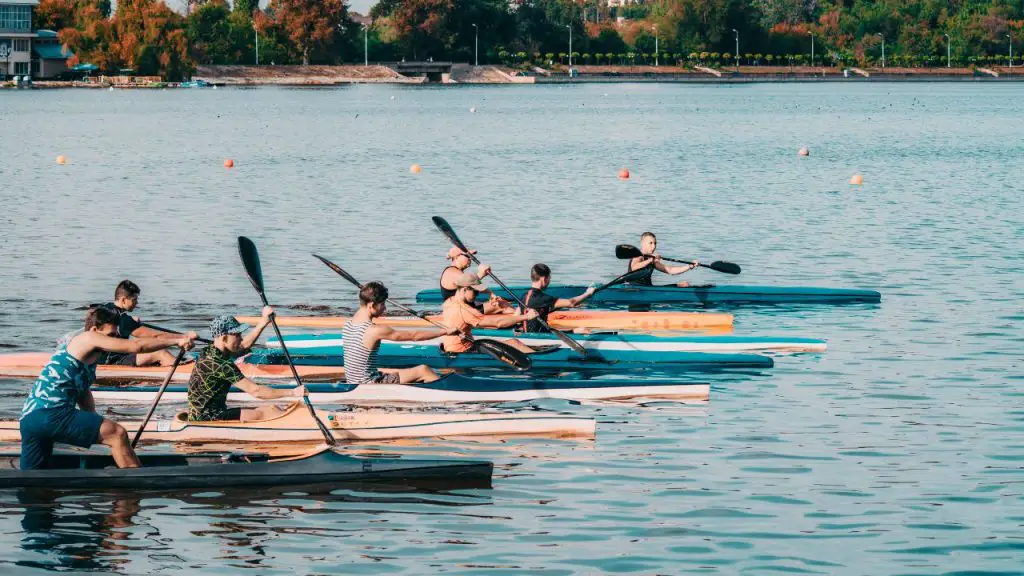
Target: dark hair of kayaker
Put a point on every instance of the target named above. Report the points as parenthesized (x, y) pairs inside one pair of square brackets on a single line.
[(539, 271), (646, 235), (372, 293), (99, 316), (126, 289)]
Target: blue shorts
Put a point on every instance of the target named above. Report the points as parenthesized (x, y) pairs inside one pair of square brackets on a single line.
[(40, 429)]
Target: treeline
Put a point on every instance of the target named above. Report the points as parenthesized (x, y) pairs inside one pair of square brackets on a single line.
[(152, 39)]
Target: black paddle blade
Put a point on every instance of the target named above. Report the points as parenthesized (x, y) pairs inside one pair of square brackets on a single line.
[(726, 267), (505, 353), (337, 269), (626, 252), (449, 232), (251, 262)]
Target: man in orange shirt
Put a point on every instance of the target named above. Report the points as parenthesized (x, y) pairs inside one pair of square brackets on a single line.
[(458, 313)]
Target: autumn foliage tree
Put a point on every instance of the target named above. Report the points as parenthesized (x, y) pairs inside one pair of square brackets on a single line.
[(311, 26)]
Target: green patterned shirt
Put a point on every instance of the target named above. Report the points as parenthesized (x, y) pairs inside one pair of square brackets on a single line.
[(212, 377)]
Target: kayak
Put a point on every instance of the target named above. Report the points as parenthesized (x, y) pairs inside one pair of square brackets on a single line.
[(600, 341), (296, 425), (30, 364), (453, 388), (709, 294), (79, 469), (563, 320), (553, 359)]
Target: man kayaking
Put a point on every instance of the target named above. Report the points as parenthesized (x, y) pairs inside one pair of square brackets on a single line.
[(451, 274), (651, 261), (126, 298), (60, 406), (459, 314), (537, 299), (215, 373), (362, 342)]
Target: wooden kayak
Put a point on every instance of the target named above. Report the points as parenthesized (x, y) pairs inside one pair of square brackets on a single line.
[(565, 320), (163, 471), (30, 364), (296, 425)]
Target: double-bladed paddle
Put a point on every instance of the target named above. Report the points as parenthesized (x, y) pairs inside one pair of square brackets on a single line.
[(159, 394), (449, 232), (626, 252), (169, 331), (251, 261), (493, 348)]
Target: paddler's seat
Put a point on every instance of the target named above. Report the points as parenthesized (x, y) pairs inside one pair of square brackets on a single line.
[(244, 457)]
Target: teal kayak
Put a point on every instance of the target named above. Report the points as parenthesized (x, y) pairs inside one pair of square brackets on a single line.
[(707, 295), (600, 341)]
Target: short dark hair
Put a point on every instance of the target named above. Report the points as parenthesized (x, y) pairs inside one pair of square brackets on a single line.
[(98, 316), (126, 289), (372, 293), (646, 234), (540, 271)]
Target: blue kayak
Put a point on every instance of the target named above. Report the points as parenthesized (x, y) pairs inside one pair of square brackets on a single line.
[(706, 295)]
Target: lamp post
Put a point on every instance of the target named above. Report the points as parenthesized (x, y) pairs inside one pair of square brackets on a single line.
[(257, 33), (948, 52), (476, 45), (569, 26), (883, 48), (1011, 50), (366, 45), (655, 44), (737, 33), (811, 34)]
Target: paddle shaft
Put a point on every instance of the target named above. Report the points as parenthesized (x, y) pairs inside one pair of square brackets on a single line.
[(159, 394), (162, 329)]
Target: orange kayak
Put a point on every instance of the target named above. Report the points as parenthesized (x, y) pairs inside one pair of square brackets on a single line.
[(30, 364), (566, 320)]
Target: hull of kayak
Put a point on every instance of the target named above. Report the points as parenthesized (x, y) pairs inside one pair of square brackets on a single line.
[(708, 295), (564, 320), (30, 364), (333, 344), (82, 470), (450, 389), (296, 425), (406, 356)]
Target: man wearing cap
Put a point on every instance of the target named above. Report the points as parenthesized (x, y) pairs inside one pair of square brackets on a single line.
[(215, 373), (460, 263), (458, 313)]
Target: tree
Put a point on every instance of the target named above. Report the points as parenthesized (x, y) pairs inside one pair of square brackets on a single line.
[(311, 26)]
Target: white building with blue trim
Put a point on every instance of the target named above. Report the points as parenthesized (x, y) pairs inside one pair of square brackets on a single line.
[(24, 51)]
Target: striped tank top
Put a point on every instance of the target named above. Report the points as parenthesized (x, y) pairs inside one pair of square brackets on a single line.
[(360, 362)]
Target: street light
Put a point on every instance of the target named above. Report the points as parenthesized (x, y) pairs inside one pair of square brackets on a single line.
[(655, 44), (366, 44), (883, 48), (569, 26), (1011, 50), (476, 45), (948, 64), (257, 33), (811, 34), (737, 33)]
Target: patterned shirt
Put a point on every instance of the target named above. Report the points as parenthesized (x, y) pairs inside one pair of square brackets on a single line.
[(212, 377), (61, 383)]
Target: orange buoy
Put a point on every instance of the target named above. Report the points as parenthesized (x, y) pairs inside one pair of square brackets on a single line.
[(415, 168), (804, 151), (857, 180), (61, 160), (624, 174), (229, 163)]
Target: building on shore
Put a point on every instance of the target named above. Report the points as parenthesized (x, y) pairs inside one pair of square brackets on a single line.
[(16, 37), (49, 57)]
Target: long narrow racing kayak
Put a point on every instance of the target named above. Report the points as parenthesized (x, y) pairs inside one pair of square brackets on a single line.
[(296, 425), (453, 388), (563, 320), (30, 364), (707, 295), (601, 341), (553, 359), (164, 471)]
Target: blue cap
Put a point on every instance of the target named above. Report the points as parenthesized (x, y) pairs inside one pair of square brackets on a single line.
[(222, 325)]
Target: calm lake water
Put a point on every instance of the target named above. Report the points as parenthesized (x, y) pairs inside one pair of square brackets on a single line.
[(899, 451)]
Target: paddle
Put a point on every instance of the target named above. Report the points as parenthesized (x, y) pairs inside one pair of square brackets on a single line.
[(626, 252), (159, 394), (448, 231), (625, 278), (169, 331), (493, 348), (251, 261)]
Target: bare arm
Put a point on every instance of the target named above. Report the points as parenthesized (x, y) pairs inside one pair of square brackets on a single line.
[(91, 342), (503, 320), (266, 392), (674, 270), (87, 402), (144, 332), (390, 334)]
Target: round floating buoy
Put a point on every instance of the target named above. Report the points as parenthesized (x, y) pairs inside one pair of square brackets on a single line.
[(229, 163), (472, 110), (61, 160), (624, 174), (857, 180), (804, 151), (415, 168), (111, 89), (392, 97)]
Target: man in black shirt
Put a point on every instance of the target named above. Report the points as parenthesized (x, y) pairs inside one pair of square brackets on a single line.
[(543, 302), (126, 298)]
